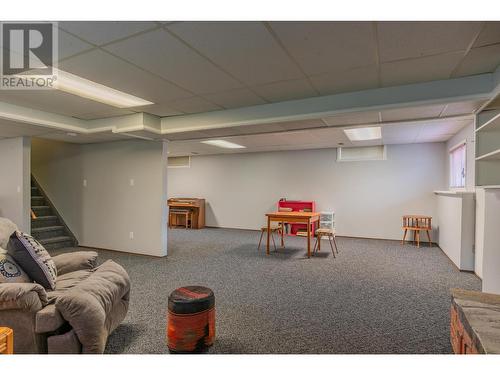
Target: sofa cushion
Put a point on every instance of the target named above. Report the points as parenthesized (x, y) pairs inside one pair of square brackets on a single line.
[(75, 261), (11, 272), (67, 281), (7, 227), (33, 258)]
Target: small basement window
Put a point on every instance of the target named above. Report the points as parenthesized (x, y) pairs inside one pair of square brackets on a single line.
[(179, 162), (458, 168), (367, 153)]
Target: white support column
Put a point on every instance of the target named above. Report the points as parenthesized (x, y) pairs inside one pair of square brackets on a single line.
[(164, 216), (15, 181)]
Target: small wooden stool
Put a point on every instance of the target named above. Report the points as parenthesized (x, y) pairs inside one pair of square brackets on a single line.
[(325, 232), (187, 214), (191, 319), (417, 223), (6, 340)]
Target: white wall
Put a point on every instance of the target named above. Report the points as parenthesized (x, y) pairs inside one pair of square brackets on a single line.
[(104, 212), (369, 197), (467, 134), (15, 188)]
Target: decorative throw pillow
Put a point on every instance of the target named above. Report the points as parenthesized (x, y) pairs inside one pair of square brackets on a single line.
[(10, 272), (33, 258)]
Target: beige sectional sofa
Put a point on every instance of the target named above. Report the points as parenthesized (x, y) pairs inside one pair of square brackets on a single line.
[(77, 316)]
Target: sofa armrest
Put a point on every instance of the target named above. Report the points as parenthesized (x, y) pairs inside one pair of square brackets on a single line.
[(79, 260), (48, 319), (24, 296)]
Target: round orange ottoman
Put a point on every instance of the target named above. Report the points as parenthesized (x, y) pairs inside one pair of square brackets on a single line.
[(191, 319)]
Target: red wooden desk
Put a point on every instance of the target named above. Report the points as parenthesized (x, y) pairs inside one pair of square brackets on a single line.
[(292, 217)]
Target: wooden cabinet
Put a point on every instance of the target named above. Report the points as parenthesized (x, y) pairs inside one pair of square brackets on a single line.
[(474, 318)]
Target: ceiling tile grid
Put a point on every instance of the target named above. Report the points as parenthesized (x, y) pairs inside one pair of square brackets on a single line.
[(193, 67), (406, 40), (321, 47), (245, 49), (162, 54), (102, 32)]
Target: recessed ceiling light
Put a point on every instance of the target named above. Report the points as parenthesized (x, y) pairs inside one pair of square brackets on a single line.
[(85, 88), (222, 143), (363, 134)]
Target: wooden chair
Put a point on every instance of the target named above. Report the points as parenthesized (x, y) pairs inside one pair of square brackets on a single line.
[(274, 229), (174, 214), (417, 223), (326, 229)]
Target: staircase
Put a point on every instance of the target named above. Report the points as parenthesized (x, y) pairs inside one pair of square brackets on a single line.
[(47, 225)]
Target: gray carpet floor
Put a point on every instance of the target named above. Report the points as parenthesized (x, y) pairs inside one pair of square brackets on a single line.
[(375, 297)]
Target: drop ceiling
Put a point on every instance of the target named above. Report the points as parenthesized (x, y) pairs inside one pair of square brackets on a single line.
[(194, 67), (199, 67), (325, 137)]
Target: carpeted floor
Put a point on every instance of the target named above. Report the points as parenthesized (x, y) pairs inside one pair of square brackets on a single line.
[(375, 297)]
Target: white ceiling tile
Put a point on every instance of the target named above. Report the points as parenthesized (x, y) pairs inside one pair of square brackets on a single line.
[(444, 127), (480, 60), (402, 40), (433, 138), (245, 49), (461, 108), (261, 128), (355, 118), (286, 90), (419, 70), (102, 32), (193, 105), (10, 129), (400, 133), (235, 98), (321, 47), (489, 35), (186, 135), (101, 67), (69, 45), (346, 81), (162, 54), (302, 124), (411, 113), (221, 132), (259, 140)]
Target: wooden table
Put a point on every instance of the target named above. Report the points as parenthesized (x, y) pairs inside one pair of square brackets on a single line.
[(292, 217)]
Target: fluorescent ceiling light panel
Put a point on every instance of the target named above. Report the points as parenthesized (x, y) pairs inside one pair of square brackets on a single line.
[(222, 143), (73, 84), (85, 88), (363, 134)]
